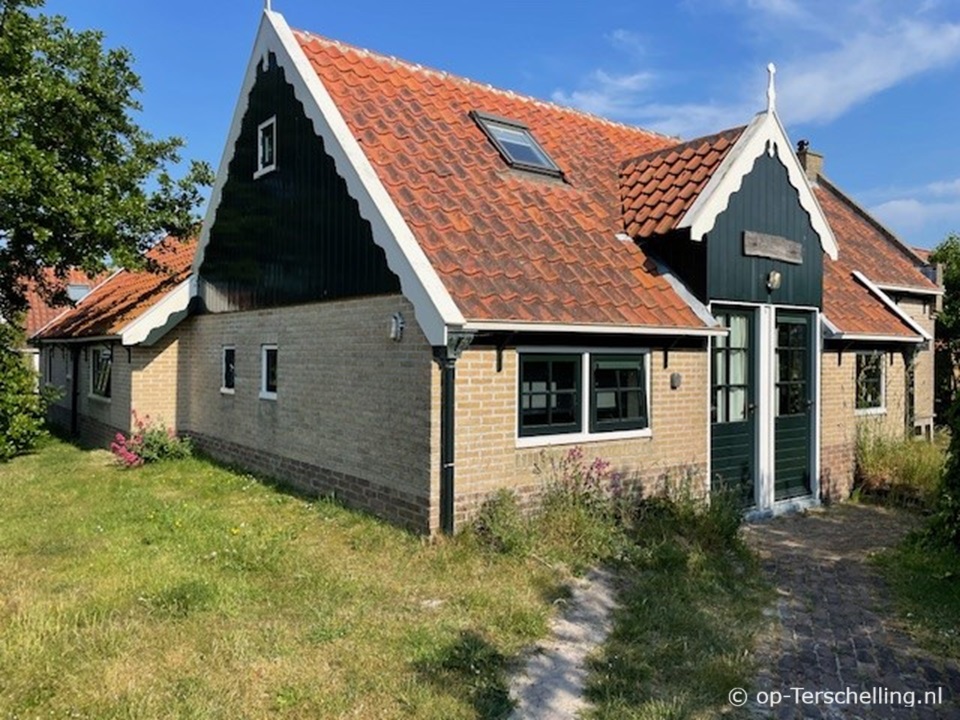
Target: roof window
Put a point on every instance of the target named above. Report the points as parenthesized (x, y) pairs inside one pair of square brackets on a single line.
[(516, 144)]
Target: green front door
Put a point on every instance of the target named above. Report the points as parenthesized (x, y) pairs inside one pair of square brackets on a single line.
[(733, 433), (793, 403)]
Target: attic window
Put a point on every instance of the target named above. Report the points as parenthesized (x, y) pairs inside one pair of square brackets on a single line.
[(266, 147), (516, 144), (77, 292)]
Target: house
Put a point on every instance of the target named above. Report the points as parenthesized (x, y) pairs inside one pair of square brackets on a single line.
[(112, 354), (410, 286)]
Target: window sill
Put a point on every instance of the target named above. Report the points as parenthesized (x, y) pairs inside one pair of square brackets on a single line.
[(264, 171), (264, 395), (227, 391), (860, 412), (581, 437), (99, 398)]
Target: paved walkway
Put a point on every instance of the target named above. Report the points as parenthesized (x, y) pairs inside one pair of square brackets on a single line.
[(836, 625)]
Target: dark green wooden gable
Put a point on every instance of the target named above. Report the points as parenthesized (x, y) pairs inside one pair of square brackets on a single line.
[(765, 203), (293, 235)]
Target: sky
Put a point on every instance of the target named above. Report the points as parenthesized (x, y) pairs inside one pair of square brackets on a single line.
[(874, 85)]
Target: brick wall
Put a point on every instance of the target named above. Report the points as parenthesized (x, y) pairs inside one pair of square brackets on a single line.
[(922, 313), (352, 412), (487, 457), (840, 420)]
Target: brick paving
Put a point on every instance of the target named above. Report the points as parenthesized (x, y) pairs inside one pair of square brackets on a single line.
[(836, 626)]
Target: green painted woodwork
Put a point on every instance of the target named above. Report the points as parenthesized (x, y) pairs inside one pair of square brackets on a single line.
[(767, 203), (293, 235), (733, 427), (793, 395)]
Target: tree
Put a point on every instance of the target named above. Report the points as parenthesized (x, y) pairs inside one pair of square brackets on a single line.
[(947, 254), (80, 181), (22, 407)]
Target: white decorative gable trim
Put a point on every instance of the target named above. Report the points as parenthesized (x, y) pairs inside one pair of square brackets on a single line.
[(162, 317), (764, 134), (435, 309)]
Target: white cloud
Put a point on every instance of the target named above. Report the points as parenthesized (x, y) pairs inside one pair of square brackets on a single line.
[(834, 56)]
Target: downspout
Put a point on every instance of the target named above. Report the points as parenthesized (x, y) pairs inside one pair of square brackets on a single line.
[(75, 391), (446, 357)]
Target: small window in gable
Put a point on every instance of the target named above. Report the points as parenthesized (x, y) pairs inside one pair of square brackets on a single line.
[(266, 147), (514, 141)]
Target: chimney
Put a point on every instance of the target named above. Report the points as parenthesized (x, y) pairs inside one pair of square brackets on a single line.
[(812, 161)]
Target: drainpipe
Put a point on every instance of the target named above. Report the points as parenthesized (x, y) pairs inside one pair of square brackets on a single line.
[(446, 357)]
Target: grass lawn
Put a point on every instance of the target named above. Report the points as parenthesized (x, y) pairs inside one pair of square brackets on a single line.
[(188, 590), (926, 587)]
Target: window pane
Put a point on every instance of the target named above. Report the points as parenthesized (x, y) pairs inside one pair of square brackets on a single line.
[(619, 396), (719, 367), (549, 394), (738, 367), (869, 380), (738, 331), (229, 370), (101, 370), (519, 146), (738, 404), (271, 370)]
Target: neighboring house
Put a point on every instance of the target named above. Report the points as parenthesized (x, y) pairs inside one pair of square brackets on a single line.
[(410, 286), (40, 311), (112, 353)]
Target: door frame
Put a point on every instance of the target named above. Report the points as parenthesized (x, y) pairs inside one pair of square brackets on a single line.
[(764, 458)]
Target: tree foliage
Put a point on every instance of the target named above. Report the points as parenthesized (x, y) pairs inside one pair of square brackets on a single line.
[(947, 255), (22, 406), (80, 181)]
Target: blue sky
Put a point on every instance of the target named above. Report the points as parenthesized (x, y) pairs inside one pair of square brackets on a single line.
[(873, 84)]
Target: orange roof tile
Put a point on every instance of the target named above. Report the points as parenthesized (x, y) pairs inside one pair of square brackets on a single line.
[(865, 246), (127, 295), (507, 245), (40, 311), (852, 308), (658, 188)]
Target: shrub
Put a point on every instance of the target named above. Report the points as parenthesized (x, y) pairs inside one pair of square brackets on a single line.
[(149, 442), (944, 526), (900, 470), (22, 407), (501, 526)]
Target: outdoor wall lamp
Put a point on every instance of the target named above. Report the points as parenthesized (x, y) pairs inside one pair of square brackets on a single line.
[(773, 280), (396, 327)]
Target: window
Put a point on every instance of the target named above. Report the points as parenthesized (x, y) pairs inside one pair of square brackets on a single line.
[(516, 144), (870, 382), (101, 365), (266, 147), (77, 292), (49, 364), (228, 370), (268, 372), (731, 370), (619, 400), (791, 366), (575, 395), (549, 394)]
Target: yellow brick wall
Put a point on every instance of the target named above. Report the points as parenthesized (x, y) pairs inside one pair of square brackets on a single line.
[(487, 456), (922, 313), (353, 408)]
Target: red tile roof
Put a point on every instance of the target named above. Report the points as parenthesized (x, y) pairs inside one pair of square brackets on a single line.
[(127, 295), (39, 310), (852, 308), (658, 188), (866, 246), (507, 245)]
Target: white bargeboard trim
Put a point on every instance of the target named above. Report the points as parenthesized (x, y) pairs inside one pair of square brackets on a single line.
[(892, 306), (160, 318)]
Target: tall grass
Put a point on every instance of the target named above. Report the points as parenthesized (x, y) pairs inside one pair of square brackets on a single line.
[(900, 470)]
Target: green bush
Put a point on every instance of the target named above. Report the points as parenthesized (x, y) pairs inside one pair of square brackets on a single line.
[(501, 526), (149, 442), (944, 526), (22, 407), (899, 470)]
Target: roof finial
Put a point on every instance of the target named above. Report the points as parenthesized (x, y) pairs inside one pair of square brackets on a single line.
[(771, 88), (266, 5)]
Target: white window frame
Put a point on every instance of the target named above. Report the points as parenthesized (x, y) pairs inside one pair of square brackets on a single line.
[(584, 436), (223, 369), (882, 408), (261, 168), (96, 351), (264, 393)]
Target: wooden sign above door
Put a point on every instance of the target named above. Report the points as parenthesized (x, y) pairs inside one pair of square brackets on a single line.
[(775, 247)]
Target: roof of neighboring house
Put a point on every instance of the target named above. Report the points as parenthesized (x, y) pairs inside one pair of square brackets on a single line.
[(126, 295), (922, 253), (506, 244), (39, 310), (656, 189)]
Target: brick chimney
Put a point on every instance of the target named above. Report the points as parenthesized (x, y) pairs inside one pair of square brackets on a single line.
[(812, 161)]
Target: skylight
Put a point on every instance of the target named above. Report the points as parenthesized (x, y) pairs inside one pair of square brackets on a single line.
[(516, 144)]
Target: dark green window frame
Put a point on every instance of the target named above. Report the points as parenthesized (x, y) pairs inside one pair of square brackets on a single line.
[(870, 381), (101, 369), (542, 396), (618, 393)]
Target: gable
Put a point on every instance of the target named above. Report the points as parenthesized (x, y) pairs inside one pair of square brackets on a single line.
[(292, 235)]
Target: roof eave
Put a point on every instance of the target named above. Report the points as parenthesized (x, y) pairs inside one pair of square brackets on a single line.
[(588, 328)]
